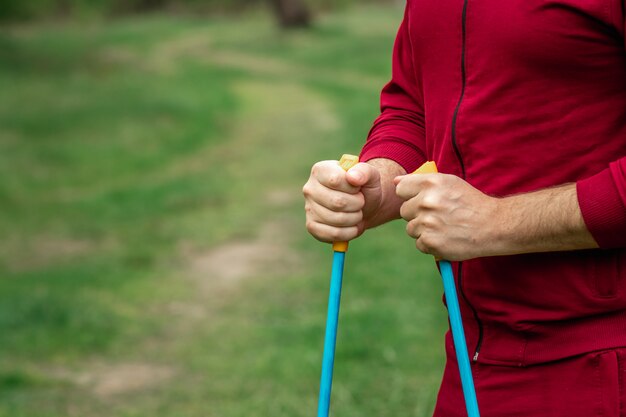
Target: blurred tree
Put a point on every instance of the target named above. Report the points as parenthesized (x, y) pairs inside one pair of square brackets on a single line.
[(123, 7), (146, 5), (289, 13), (292, 13)]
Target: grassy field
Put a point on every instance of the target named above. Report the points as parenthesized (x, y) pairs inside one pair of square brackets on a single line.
[(153, 259)]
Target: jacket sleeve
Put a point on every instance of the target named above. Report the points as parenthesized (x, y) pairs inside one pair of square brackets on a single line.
[(398, 133), (602, 198)]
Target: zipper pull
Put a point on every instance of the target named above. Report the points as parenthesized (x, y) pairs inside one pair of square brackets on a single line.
[(475, 358)]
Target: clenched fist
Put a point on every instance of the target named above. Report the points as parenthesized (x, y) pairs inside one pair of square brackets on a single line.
[(447, 216), (339, 204)]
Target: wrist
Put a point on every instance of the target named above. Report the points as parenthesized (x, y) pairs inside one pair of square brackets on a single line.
[(503, 226), (494, 235), (387, 207)]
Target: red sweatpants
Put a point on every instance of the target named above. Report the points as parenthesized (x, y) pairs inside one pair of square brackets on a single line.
[(590, 385)]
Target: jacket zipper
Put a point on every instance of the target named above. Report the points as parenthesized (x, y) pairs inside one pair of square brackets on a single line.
[(460, 159), (458, 104)]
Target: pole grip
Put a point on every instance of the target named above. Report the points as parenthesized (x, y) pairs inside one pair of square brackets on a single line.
[(427, 168), (346, 162)]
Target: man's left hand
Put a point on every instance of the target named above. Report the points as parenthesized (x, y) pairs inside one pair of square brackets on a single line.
[(448, 217)]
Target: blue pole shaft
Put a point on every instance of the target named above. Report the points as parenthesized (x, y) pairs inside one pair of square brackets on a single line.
[(331, 334), (458, 336)]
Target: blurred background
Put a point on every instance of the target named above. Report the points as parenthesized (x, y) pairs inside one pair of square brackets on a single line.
[(153, 255)]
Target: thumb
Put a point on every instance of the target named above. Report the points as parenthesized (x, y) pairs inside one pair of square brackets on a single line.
[(363, 175), (367, 178)]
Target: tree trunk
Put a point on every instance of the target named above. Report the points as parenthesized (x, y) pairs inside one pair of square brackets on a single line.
[(292, 13), (148, 5)]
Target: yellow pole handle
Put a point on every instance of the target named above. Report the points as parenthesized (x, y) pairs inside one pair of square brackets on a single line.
[(346, 162), (427, 168)]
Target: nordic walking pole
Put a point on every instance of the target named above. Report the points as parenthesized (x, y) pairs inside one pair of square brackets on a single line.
[(456, 324), (339, 254)]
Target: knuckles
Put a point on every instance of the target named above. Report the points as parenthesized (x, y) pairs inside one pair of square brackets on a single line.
[(406, 212), (306, 189), (432, 200), (430, 242), (338, 219), (310, 226), (335, 234), (334, 180), (419, 244), (429, 221), (404, 191), (338, 203), (330, 233), (411, 229), (348, 219), (315, 169), (425, 230), (412, 185)]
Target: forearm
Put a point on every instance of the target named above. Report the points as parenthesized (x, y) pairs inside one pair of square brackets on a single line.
[(541, 221), (452, 220), (389, 208)]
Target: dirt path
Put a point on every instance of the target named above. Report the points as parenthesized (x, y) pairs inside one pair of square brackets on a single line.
[(219, 273)]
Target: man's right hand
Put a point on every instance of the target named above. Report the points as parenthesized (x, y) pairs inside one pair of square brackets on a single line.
[(339, 204)]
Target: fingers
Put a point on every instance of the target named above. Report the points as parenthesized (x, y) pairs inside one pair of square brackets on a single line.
[(426, 230), (329, 225), (429, 245), (424, 226), (331, 199), (321, 214), (424, 203), (326, 233), (422, 209), (332, 176), (409, 186), (421, 194)]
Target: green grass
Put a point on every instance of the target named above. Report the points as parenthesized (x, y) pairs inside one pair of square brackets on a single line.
[(150, 214)]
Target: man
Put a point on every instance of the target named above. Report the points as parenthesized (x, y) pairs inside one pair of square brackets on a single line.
[(522, 105)]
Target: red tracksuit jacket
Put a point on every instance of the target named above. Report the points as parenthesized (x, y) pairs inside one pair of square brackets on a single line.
[(515, 96)]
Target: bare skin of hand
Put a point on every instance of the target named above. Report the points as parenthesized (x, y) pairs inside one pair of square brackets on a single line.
[(452, 220), (341, 205)]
